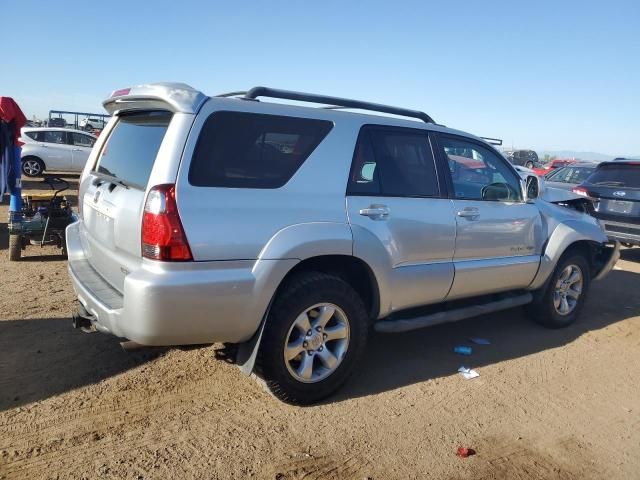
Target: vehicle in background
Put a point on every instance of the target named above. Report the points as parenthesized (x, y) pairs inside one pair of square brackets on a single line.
[(614, 188), (54, 149), (524, 158), (92, 124), (57, 122), (570, 176), (553, 165)]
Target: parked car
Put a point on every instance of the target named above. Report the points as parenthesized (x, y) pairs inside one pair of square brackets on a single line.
[(524, 158), (570, 176), (293, 230), (54, 149), (57, 122), (551, 166), (615, 189), (92, 124)]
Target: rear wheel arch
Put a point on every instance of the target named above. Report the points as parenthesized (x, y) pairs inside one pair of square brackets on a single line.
[(353, 270)]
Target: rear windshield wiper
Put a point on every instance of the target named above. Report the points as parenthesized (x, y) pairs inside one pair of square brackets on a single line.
[(112, 179)]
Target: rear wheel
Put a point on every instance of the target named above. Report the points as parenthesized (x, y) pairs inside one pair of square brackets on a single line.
[(15, 247), (529, 164), (560, 304), (315, 334), (32, 166)]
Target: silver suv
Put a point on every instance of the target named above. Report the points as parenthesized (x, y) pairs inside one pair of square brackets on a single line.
[(293, 230)]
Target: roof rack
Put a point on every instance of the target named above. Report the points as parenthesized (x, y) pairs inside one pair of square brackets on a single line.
[(333, 102), (492, 141)]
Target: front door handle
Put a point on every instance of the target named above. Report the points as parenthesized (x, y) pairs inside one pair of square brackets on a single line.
[(470, 213), (376, 212)]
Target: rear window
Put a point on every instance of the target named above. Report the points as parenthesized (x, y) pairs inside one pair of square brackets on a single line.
[(616, 176), (132, 147), (250, 150)]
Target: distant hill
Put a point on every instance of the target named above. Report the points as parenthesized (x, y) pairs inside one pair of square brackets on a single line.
[(593, 156)]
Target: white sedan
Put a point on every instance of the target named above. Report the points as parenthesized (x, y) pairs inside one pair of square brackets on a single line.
[(55, 149)]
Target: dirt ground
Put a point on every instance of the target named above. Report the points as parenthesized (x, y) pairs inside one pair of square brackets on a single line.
[(548, 404)]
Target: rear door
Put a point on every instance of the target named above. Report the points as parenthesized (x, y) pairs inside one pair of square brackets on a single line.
[(395, 195), (82, 145), (498, 236), (113, 193)]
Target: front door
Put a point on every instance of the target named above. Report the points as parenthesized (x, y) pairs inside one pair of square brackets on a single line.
[(396, 207), (56, 150), (498, 235), (81, 148)]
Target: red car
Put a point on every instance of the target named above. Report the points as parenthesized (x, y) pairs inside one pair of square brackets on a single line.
[(552, 166)]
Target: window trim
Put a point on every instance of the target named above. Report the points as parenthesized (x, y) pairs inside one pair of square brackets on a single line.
[(442, 187), (449, 181)]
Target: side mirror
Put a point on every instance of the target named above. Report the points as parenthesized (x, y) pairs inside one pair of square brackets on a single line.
[(532, 187)]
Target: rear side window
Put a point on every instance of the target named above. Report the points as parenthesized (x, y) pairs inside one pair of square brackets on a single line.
[(393, 162), (132, 147), (250, 150), (616, 175)]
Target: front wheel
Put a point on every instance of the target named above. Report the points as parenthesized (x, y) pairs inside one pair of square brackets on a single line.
[(315, 334), (560, 304), (32, 167), (529, 165)]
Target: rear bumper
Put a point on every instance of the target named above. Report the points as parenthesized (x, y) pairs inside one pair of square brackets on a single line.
[(623, 232), (177, 303)]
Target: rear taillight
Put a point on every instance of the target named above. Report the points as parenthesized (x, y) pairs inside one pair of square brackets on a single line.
[(163, 237), (581, 191)]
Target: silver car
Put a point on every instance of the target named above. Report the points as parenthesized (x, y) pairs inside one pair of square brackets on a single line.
[(293, 231), (55, 149)]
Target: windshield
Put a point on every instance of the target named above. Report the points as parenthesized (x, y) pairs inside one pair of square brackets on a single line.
[(570, 174), (616, 176), (131, 149)]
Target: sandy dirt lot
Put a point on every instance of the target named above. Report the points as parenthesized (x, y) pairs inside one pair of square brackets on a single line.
[(548, 404)]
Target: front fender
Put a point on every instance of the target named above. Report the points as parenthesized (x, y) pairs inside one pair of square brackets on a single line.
[(562, 237)]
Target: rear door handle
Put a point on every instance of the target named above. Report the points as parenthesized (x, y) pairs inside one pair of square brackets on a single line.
[(376, 212), (470, 213)]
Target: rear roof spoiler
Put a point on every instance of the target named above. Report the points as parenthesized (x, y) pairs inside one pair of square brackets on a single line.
[(177, 97)]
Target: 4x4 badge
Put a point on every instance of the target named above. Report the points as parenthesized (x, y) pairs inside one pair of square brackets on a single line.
[(619, 193)]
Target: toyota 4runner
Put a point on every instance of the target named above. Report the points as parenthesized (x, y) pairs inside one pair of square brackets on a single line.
[(292, 230)]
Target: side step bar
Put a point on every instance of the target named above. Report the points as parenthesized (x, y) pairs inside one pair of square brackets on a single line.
[(405, 325)]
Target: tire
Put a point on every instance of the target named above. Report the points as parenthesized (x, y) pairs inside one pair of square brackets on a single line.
[(302, 297), (529, 165), (32, 166), (15, 248), (544, 309)]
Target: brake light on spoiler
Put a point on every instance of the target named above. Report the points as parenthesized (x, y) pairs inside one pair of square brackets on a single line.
[(163, 237), (121, 93)]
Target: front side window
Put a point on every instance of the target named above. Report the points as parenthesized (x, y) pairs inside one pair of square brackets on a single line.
[(82, 140), (479, 174), (393, 162), (54, 136), (250, 150)]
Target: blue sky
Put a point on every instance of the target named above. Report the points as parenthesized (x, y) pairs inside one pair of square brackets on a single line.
[(549, 75)]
